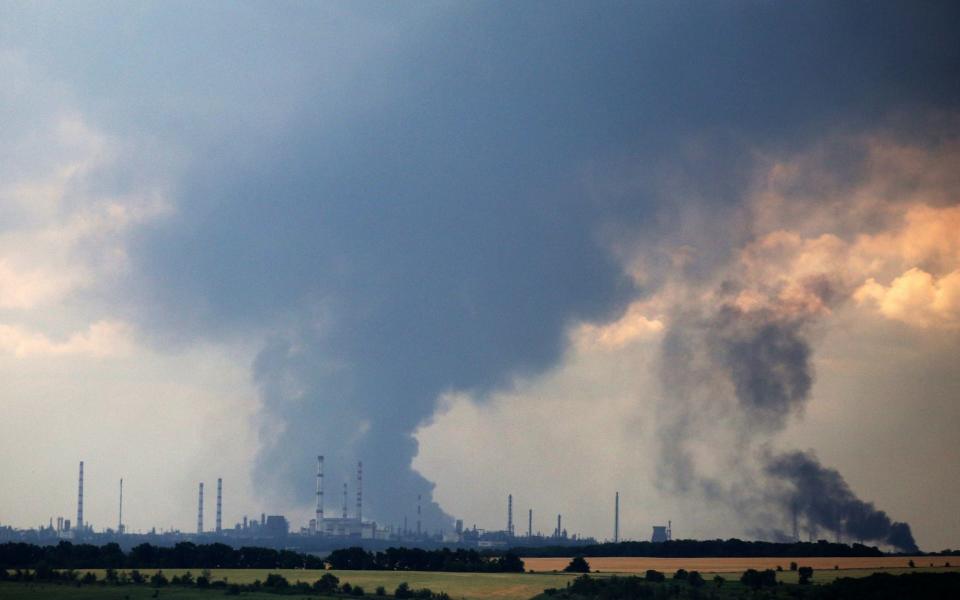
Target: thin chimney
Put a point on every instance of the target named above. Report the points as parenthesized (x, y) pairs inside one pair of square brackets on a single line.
[(80, 501), (418, 515), (320, 493), (360, 491), (219, 503), (616, 518), (120, 517), (530, 523), (510, 514), (200, 510), (344, 499)]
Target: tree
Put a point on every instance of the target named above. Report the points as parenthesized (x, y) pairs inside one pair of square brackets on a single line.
[(511, 563), (805, 574), (327, 584), (695, 579), (402, 591), (757, 579), (577, 565), (793, 565), (276, 581), (158, 579), (718, 581), (680, 575), (655, 576)]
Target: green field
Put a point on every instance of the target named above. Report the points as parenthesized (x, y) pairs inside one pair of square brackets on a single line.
[(468, 586), (49, 591)]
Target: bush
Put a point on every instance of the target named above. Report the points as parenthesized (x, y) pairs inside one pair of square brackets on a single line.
[(357, 591), (158, 579), (381, 591), (233, 590), (695, 579), (577, 565), (680, 575), (88, 578), (655, 576), (718, 581), (346, 588), (327, 584), (805, 574), (136, 577), (793, 565), (276, 581), (402, 591), (757, 579)]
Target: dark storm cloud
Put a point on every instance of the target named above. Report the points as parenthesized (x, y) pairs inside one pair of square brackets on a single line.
[(395, 193)]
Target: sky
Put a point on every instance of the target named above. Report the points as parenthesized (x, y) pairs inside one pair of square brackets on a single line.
[(705, 255)]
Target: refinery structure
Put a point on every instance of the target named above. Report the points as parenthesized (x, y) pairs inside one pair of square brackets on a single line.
[(333, 525)]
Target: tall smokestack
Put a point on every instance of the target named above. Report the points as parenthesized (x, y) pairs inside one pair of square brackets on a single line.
[(530, 523), (510, 514), (344, 499), (320, 493), (120, 517), (200, 510), (418, 515), (360, 491), (558, 526), (80, 501), (219, 502), (616, 518)]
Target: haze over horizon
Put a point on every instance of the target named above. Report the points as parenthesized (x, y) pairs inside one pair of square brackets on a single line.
[(705, 255)]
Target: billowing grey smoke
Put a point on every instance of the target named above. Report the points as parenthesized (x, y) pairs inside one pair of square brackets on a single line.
[(767, 361), (393, 196), (763, 357), (822, 496)]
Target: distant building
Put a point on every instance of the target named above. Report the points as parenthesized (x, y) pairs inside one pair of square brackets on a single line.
[(355, 528), (276, 526), (660, 533)]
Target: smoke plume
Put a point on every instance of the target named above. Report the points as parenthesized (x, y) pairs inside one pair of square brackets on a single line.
[(822, 496), (736, 357)]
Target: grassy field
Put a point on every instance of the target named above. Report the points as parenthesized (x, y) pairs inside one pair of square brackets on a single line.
[(732, 568), (47, 591), (467, 586), (509, 586)]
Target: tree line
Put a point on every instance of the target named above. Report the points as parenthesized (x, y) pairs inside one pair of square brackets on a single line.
[(706, 549), (755, 584), (187, 555), (417, 559), (327, 585)]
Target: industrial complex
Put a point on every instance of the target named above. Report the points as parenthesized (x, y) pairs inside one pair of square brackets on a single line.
[(326, 530)]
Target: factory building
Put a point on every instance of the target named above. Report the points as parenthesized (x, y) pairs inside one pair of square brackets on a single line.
[(662, 533)]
